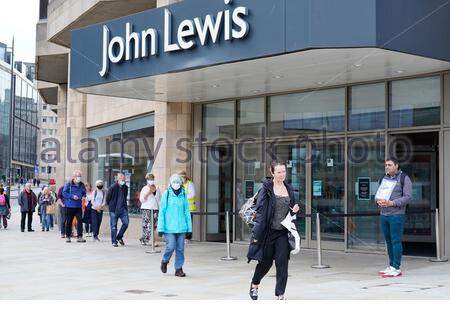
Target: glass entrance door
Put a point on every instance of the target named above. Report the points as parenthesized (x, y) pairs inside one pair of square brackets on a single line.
[(219, 194), (295, 158), (328, 190), (418, 156)]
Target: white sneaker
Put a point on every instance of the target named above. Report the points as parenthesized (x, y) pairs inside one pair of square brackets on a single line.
[(388, 269), (392, 273)]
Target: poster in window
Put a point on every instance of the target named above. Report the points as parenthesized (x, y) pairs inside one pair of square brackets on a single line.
[(364, 188)]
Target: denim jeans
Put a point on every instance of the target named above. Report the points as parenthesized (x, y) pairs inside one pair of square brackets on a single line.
[(174, 242), (392, 227), (45, 220), (114, 217)]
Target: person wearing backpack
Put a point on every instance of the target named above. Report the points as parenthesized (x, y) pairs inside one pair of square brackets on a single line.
[(5, 208), (392, 197), (98, 200), (74, 191), (269, 239), (174, 223)]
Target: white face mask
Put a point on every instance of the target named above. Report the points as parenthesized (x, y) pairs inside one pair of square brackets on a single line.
[(77, 179), (121, 182), (150, 182), (175, 186)]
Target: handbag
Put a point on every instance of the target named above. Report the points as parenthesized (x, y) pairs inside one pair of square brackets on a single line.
[(51, 209)]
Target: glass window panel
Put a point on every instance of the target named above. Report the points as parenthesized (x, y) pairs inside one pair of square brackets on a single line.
[(251, 119), (23, 104), (307, 112), (109, 153), (141, 123), (218, 120), (327, 180), (367, 107), (415, 102), (18, 98), (250, 170), (365, 167), (137, 161)]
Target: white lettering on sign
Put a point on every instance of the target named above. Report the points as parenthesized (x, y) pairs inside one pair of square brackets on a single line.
[(230, 24)]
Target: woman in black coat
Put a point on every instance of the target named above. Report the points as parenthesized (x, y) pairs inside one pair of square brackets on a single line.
[(269, 240)]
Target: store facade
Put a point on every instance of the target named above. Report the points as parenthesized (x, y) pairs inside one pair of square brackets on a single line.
[(330, 88)]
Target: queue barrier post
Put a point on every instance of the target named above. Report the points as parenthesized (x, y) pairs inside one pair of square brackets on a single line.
[(438, 258), (319, 264), (227, 234), (152, 235)]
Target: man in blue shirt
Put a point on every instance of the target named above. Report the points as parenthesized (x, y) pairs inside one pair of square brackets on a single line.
[(116, 199), (73, 192)]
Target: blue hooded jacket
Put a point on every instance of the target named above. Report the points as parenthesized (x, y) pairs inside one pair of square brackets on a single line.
[(174, 215), (70, 190)]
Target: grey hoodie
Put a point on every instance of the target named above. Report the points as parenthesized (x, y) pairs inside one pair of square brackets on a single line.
[(400, 197)]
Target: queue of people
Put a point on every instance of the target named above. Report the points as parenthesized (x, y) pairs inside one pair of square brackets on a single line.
[(169, 212)]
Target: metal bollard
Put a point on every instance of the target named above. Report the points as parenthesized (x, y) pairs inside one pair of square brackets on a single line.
[(227, 232), (438, 241), (152, 235), (319, 264)]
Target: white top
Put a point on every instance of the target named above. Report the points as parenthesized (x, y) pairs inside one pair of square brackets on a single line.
[(97, 198), (152, 201)]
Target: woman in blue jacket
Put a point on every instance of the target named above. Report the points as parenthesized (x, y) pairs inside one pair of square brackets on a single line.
[(174, 222)]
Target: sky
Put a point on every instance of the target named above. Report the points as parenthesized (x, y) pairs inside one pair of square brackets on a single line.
[(19, 18)]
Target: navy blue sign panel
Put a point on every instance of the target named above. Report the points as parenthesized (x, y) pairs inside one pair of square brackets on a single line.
[(200, 33), (265, 37)]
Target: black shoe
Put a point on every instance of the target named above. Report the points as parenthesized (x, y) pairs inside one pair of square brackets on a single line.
[(121, 242), (81, 240), (43, 229), (164, 267), (30, 230), (68, 240), (180, 273), (21, 230), (96, 239), (253, 292), (115, 245)]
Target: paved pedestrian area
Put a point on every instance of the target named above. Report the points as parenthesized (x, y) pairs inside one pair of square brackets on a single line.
[(40, 265)]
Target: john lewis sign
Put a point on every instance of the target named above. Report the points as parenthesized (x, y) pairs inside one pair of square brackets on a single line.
[(227, 24)]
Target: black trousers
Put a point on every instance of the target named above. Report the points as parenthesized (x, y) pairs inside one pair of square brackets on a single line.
[(277, 248), (30, 220), (96, 221), (70, 214)]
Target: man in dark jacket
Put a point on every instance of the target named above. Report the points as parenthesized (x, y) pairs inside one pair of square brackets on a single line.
[(62, 212), (73, 192), (116, 199), (27, 202)]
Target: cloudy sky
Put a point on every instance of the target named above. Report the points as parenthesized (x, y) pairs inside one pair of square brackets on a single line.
[(19, 18)]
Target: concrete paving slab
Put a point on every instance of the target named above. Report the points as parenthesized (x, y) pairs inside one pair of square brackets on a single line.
[(40, 265)]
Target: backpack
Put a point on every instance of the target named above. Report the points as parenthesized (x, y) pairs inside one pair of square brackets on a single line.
[(248, 210), (402, 179), (2, 200)]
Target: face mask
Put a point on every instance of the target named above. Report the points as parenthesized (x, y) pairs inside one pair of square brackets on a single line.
[(78, 179), (100, 187), (121, 182), (175, 186), (150, 182)]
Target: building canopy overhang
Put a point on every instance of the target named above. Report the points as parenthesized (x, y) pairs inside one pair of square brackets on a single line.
[(201, 50)]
